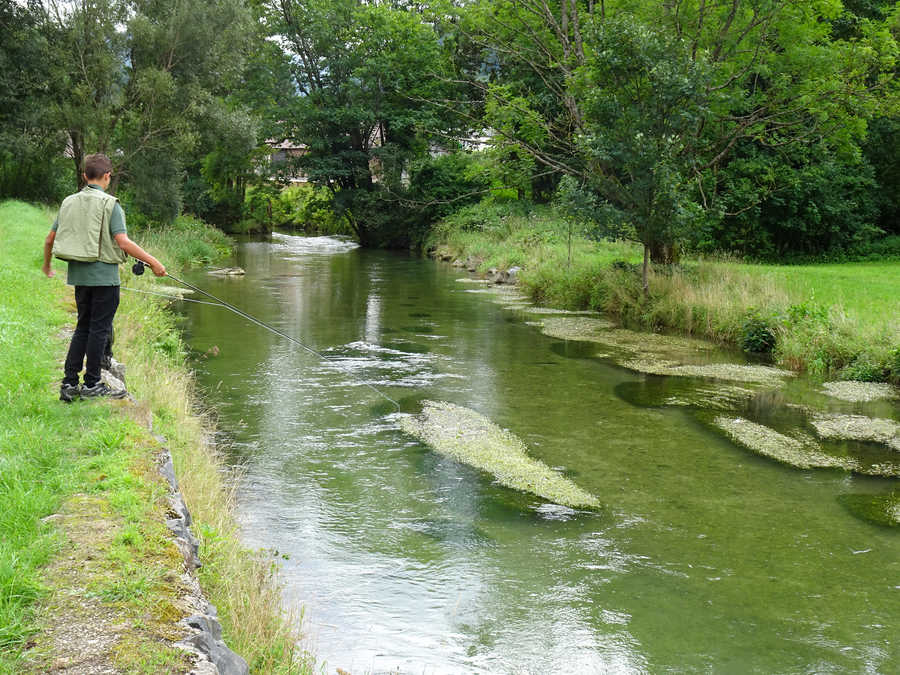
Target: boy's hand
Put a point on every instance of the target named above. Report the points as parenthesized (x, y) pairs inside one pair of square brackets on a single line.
[(158, 269), (49, 271)]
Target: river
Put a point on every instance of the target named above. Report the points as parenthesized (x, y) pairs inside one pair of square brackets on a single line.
[(704, 558)]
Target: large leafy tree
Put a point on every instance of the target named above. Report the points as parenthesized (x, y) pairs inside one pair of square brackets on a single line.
[(362, 72), (29, 76), (642, 98), (138, 81), (773, 75)]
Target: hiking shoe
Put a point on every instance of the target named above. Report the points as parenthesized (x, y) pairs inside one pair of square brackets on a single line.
[(69, 392), (102, 389)]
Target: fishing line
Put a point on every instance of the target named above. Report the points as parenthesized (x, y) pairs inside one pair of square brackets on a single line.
[(170, 296), (263, 324)]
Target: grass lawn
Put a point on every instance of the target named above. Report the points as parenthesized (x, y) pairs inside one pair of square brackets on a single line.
[(868, 291)]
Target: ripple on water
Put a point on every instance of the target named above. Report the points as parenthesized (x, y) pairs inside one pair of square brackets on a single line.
[(306, 245)]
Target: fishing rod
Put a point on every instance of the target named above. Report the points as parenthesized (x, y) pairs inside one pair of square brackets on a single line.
[(138, 269)]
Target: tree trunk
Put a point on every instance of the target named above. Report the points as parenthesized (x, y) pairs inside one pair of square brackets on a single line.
[(664, 254), (644, 271), (77, 142)]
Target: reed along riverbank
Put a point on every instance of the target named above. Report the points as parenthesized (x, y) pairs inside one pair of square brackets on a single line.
[(835, 320), (83, 543)]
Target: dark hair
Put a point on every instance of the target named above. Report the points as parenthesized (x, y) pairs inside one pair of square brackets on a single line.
[(96, 165)]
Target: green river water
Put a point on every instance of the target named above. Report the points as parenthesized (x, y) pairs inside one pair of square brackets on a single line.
[(704, 558)]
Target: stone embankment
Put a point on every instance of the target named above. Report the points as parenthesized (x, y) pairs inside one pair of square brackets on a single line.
[(205, 639)]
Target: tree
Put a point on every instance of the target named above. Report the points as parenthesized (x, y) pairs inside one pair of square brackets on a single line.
[(138, 76), (361, 72), (642, 97), (764, 72), (29, 74)]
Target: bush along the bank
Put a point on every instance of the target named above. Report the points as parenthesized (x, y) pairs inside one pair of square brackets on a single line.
[(757, 334), (186, 241), (737, 304)]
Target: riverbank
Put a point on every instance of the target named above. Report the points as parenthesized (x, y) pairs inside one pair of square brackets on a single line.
[(831, 320), (84, 549)]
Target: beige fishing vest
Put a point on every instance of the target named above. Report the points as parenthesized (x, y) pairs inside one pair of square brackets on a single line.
[(82, 233)]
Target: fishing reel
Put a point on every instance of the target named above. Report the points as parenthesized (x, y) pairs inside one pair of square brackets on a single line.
[(138, 268)]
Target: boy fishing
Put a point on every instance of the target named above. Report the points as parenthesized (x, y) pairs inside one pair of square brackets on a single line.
[(89, 234)]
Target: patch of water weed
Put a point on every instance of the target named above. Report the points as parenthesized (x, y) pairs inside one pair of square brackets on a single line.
[(657, 392), (860, 392), (577, 328), (471, 438), (718, 371), (857, 428), (878, 509), (803, 453), (656, 354), (530, 309)]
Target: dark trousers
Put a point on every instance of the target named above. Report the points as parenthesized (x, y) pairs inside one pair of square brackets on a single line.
[(97, 307)]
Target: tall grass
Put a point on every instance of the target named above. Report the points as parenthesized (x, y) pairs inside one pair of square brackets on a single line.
[(833, 320)]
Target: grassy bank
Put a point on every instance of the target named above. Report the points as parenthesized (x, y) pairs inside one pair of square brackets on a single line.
[(63, 461), (836, 320)]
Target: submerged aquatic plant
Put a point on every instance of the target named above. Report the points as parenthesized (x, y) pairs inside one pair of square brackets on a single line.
[(849, 390), (803, 454), (858, 428), (471, 438), (880, 509), (718, 371)]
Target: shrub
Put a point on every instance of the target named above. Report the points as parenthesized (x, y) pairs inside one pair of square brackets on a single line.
[(757, 334), (864, 368)]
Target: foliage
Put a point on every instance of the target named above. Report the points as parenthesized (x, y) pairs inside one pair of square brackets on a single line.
[(651, 101), (835, 320), (757, 334), (188, 240), (778, 205), (135, 79), (577, 206), (882, 151), (765, 128), (29, 143), (642, 97), (299, 207), (359, 110)]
